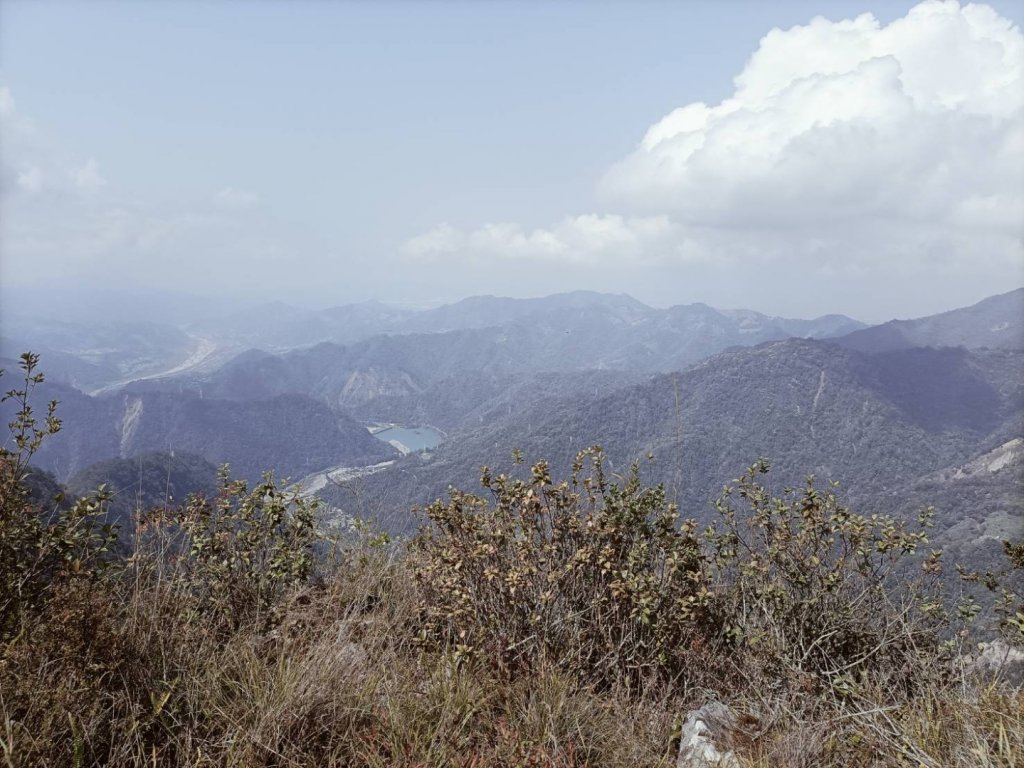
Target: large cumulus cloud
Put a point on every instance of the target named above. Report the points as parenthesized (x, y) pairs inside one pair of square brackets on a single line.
[(845, 145)]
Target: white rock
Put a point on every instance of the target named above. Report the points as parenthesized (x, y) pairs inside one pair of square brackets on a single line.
[(997, 659), (697, 741)]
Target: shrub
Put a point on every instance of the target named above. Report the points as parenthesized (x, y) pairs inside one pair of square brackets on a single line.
[(594, 577), (237, 554), (1008, 605), (603, 581), (808, 592), (41, 549)]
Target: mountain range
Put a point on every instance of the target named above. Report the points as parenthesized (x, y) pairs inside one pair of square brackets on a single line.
[(903, 414), (566, 331)]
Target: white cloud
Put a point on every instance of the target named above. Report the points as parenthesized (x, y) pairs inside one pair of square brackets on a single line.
[(6, 101), (64, 220), (30, 179), (87, 177), (30, 165), (21, 166), (231, 198), (582, 239), (848, 142)]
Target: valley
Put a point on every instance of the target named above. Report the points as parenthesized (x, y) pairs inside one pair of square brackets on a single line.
[(314, 484), (695, 394), (203, 355)]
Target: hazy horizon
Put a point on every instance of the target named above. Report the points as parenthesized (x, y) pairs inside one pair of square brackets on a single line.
[(797, 159)]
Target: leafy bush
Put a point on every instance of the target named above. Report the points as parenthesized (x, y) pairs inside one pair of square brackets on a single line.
[(603, 581), (1008, 605), (806, 590), (41, 549), (591, 576), (244, 549)]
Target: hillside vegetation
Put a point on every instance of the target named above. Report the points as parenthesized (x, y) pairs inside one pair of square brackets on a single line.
[(544, 622), (145, 482), (292, 434), (879, 423)]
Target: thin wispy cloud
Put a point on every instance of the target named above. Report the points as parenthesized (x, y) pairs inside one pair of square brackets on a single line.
[(65, 218)]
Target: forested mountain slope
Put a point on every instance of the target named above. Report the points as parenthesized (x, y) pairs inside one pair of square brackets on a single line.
[(874, 422), (290, 434), (995, 323), (151, 480)]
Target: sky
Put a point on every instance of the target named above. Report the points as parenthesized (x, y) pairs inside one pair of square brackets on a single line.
[(795, 158)]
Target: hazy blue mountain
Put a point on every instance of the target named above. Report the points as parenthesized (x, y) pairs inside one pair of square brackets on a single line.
[(487, 311), (89, 355), (365, 319), (61, 367), (483, 334), (127, 347), (278, 326), (572, 308), (567, 333), (994, 323)]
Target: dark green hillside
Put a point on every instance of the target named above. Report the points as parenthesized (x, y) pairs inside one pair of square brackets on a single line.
[(291, 434), (874, 422), (146, 481), (978, 503), (43, 489), (476, 400)]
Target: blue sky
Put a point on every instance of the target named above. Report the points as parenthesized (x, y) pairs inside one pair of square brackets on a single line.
[(311, 152)]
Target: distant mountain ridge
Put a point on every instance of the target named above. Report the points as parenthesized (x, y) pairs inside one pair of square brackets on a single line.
[(605, 331), (498, 337), (277, 327), (453, 376), (994, 323)]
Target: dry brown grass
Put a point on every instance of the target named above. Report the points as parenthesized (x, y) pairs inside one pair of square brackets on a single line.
[(332, 682), (337, 679)]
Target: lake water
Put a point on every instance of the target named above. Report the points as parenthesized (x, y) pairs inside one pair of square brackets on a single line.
[(410, 439)]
